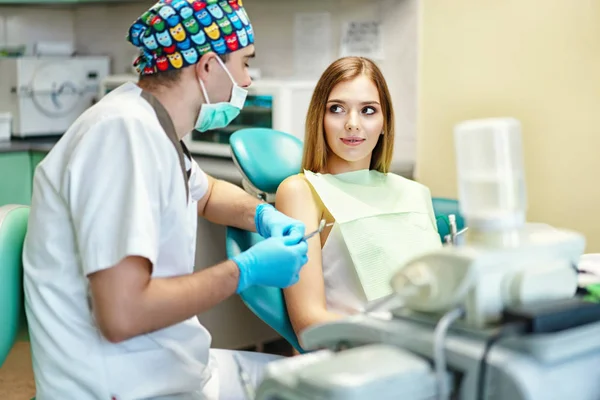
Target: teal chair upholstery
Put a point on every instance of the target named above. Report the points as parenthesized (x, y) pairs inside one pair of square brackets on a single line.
[(266, 157), (265, 302), (442, 208), (13, 225)]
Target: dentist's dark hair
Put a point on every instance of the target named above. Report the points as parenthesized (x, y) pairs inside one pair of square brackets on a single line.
[(345, 69), (170, 77)]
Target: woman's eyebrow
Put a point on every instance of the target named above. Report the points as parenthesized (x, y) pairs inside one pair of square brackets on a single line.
[(361, 103)]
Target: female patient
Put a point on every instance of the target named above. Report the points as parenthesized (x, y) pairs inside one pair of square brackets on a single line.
[(381, 219)]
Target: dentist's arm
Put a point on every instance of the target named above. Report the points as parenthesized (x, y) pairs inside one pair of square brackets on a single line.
[(128, 302), (305, 300), (227, 204)]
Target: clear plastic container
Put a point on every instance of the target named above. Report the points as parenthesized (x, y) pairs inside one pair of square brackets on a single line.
[(491, 176)]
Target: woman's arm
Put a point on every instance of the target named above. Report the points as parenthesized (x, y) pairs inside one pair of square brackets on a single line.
[(305, 300)]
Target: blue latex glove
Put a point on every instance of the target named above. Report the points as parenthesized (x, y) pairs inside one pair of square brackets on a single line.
[(272, 262), (272, 223)]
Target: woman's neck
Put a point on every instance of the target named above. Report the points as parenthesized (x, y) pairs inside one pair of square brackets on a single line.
[(336, 165)]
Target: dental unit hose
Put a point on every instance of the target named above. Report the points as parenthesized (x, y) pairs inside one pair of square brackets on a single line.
[(439, 350)]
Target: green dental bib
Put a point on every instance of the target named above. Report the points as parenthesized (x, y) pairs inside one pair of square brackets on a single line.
[(385, 220)]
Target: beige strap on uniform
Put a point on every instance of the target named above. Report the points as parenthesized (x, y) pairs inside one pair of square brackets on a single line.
[(167, 124)]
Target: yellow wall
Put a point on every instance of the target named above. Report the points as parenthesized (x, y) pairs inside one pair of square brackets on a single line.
[(535, 60)]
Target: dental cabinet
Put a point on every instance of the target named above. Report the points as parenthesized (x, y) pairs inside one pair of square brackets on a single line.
[(15, 178)]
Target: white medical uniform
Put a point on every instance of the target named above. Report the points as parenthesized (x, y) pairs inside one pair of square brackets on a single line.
[(112, 187)]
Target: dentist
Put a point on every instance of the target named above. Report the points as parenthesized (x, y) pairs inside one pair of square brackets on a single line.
[(110, 288)]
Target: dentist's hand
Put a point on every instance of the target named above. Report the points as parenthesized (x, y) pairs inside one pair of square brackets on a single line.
[(272, 223), (273, 262)]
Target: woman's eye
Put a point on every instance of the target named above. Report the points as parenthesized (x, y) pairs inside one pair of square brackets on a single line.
[(369, 110), (336, 109)]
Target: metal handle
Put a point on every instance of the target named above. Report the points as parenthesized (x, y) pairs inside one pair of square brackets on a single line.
[(451, 238), (27, 91)]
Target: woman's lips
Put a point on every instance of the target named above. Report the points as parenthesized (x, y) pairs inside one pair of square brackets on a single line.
[(352, 141)]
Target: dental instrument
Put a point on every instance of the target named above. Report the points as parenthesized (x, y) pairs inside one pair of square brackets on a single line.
[(451, 239), (322, 225)]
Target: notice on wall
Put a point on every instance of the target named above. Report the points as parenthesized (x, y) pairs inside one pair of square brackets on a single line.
[(312, 43), (362, 38)]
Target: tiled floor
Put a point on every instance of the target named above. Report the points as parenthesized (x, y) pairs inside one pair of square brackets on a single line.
[(16, 375)]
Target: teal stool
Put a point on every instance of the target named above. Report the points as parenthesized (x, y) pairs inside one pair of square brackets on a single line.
[(13, 225), (266, 157)]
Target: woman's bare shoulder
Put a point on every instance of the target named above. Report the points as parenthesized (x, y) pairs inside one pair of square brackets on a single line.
[(295, 185)]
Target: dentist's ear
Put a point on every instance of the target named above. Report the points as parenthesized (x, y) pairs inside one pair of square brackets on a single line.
[(204, 65)]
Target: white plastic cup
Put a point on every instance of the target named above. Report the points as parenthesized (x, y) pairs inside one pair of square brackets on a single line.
[(491, 176)]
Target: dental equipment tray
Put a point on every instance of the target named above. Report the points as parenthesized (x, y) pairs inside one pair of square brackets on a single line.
[(414, 331)]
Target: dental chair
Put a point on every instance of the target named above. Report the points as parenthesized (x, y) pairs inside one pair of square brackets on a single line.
[(266, 157), (13, 225)]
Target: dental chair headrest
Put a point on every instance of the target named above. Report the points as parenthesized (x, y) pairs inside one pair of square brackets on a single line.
[(265, 157)]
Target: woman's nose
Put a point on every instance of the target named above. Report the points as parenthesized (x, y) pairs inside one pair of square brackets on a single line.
[(352, 122)]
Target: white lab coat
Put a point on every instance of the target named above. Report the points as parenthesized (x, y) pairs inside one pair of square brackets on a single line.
[(110, 188)]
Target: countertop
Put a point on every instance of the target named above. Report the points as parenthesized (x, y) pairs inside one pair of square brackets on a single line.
[(34, 144), (219, 167)]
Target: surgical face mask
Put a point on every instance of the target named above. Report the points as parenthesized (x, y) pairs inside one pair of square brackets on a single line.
[(219, 115)]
